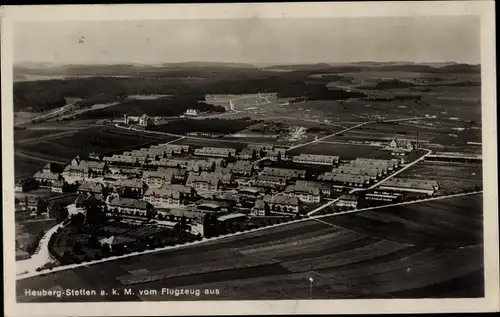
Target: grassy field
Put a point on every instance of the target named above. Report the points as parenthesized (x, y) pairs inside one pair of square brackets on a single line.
[(431, 250), (451, 177), (103, 140), (20, 135), (28, 230), (211, 143), (208, 125), (453, 222), (25, 166), (385, 132), (344, 151)]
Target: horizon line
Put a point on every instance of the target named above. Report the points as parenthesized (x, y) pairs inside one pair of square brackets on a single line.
[(260, 64)]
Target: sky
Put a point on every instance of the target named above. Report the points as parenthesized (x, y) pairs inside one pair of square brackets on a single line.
[(256, 41)]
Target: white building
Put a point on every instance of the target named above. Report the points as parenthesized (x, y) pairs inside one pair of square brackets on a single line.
[(347, 201), (168, 195), (314, 159), (410, 185), (306, 194), (192, 113), (282, 203)]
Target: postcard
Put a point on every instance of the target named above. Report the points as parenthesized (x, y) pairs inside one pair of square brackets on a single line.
[(201, 159)]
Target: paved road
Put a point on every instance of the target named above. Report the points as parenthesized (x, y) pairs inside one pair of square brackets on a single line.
[(221, 238), (41, 257), (350, 143), (189, 137), (330, 135), (374, 185), (407, 166), (46, 137), (60, 110)]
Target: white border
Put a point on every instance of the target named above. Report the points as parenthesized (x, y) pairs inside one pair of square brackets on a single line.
[(484, 9)]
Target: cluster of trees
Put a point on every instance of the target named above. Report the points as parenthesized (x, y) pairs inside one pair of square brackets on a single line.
[(161, 107), (210, 79), (93, 249), (210, 225), (389, 84), (128, 192), (185, 94), (33, 244)]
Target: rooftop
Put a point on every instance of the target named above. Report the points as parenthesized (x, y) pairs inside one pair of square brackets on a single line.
[(281, 200), (128, 203), (260, 204), (348, 178), (275, 171), (46, 175), (91, 186), (132, 183), (411, 183), (302, 189), (271, 178), (232, 216), (317, 158), (349, 197), (212, 178)]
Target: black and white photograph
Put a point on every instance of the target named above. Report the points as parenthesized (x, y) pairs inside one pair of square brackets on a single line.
[(209, 154)]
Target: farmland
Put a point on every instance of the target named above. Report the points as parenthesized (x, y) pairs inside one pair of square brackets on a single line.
[(211, 143), (32, 155), (453, 222), (21, 135), (451, 177), (208, 125), (431, 249), (383, 132), (344, 151), (28, 233)]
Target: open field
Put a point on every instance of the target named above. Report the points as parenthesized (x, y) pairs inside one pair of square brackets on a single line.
[(241, 102), (33, 155), (29, 231), (24, 166), (453, 222), (434, 251), (208, 125), (211, 143), (23, 116), (383, 132), (101, 141), (451, 177), (45, 193), (344, 151), (27, 134)]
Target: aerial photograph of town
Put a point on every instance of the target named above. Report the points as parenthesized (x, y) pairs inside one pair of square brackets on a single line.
[(173, 160)]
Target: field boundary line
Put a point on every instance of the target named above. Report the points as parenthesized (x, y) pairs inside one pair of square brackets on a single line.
[(195, 243), (188, 136), (330, 135), (324, 222)]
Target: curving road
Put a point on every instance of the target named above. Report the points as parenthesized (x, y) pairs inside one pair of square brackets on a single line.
[(229, 236), (39, 258)]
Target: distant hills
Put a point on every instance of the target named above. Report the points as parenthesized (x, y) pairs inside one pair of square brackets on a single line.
[(34, 71), (209, 64), (383, 66)]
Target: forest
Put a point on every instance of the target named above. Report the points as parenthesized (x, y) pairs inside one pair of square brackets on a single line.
[(190, 84)]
